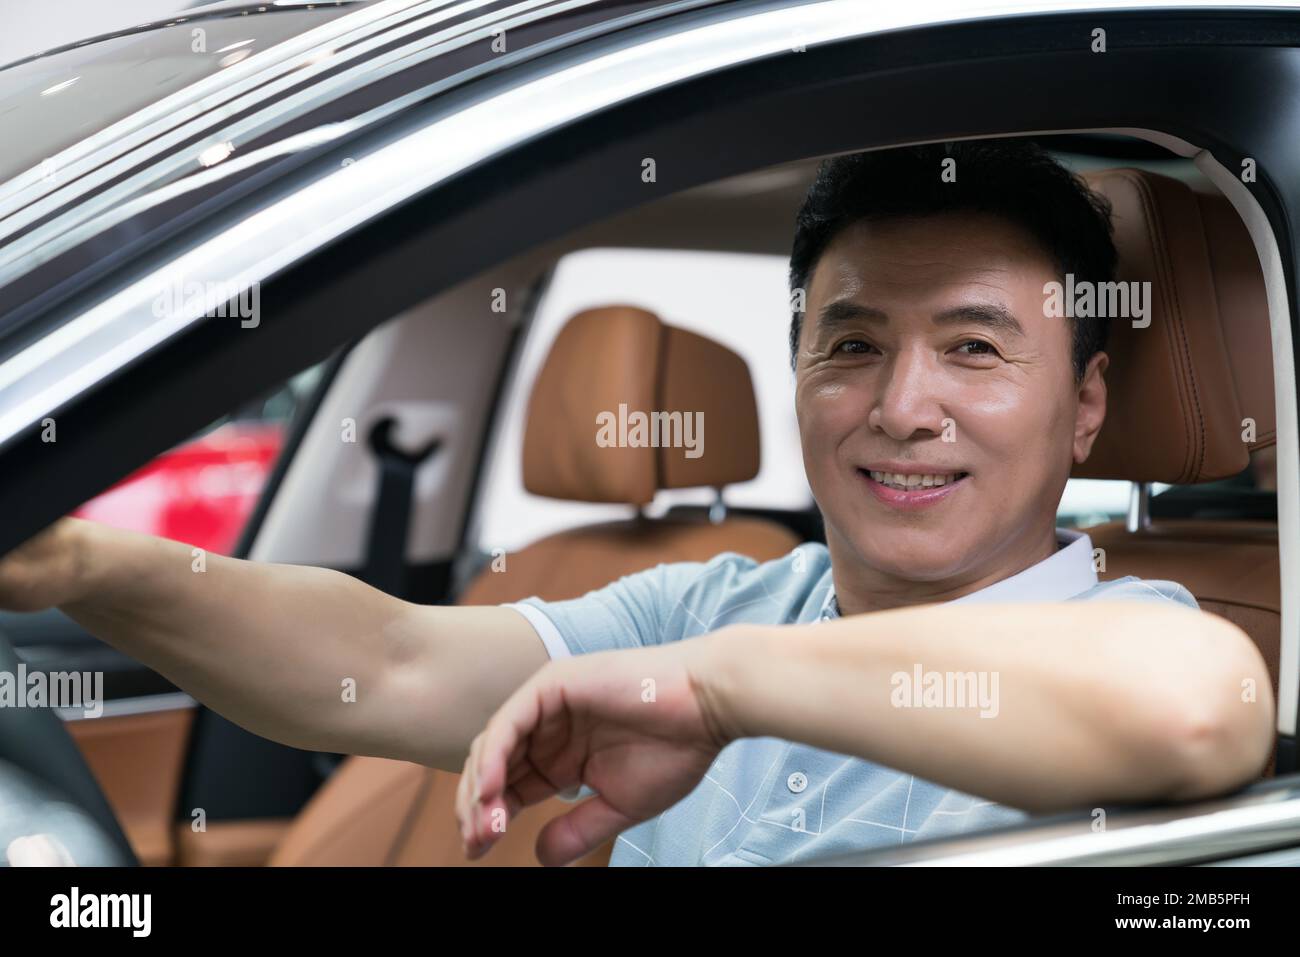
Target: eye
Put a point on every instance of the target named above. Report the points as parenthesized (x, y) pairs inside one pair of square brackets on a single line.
[(855, 347), (977, 347)]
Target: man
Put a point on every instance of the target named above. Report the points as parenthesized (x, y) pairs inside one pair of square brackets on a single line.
[(946, 642)]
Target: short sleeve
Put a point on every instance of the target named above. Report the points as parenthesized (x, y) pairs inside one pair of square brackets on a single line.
[(632, 612), (1131, 588)]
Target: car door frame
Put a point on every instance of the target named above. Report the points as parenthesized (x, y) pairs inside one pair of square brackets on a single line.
[(702, 114)]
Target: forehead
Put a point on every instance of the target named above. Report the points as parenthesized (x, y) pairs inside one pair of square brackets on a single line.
[(932, 257)]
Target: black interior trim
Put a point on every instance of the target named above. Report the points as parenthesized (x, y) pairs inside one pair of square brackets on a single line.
[(303, 416), (468, 556)]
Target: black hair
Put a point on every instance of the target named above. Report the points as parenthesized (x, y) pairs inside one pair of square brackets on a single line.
[(1014, 179)]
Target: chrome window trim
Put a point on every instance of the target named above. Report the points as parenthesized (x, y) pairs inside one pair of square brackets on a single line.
[(47, 240), (127, 198), (125, 707), (1175, 835), (197, 98)]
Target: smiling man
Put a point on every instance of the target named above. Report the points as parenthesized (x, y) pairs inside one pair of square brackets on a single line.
[(929, 376), (941, 406), (947, 661)]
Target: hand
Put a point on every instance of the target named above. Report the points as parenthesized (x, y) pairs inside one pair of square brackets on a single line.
[(43, 571), (639, 727)]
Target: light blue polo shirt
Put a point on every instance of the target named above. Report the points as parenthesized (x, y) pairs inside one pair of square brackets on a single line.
[(769, 801)]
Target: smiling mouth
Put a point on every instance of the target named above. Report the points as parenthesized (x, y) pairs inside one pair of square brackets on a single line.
[(914, 482)]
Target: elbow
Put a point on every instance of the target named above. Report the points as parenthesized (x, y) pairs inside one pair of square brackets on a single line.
[(1221, 730), (1219, 754)]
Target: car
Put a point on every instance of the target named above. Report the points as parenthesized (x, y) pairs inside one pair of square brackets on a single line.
[(202, 492), (416, 201)]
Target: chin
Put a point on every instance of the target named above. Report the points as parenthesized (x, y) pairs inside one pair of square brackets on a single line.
[(919, 571), (925, 558)]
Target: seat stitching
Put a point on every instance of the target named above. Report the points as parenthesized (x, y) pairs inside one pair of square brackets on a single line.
[(1195, 443)]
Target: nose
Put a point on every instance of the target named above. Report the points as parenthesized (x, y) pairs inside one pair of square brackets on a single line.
[(907, 400)]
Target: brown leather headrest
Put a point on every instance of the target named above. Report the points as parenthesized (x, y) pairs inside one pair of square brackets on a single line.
[(1179, 389), (1242, 302), (626, 405)]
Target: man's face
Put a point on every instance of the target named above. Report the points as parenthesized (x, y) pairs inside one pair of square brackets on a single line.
[(937, 404)]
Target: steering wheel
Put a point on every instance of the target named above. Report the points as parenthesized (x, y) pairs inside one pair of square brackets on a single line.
[(46, 787)]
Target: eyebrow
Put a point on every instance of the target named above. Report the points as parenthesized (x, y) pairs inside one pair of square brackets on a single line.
[(988, 315)]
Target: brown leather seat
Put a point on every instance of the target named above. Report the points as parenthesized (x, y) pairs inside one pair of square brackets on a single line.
[(1181, 392), (376, 811)]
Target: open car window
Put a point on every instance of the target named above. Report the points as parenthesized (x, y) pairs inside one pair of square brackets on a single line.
[(203, 491)]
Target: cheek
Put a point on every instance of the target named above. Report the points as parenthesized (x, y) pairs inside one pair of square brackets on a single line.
[(1014, 424), (828, 411), (824, 395)]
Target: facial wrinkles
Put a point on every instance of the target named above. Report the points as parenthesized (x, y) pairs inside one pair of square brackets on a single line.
[(907, 276), (830, 390), (1003, 406), (969, 396)]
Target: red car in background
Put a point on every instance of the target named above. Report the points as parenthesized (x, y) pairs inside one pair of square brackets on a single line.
[(201, 492)]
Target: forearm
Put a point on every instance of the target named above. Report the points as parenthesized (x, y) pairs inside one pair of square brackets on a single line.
[(1105, 703), (271, 647)]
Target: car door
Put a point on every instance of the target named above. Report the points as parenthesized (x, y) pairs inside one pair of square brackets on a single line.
[(596, 122), (144, 738)]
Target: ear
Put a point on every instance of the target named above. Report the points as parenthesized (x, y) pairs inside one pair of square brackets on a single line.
[(1091, 411)]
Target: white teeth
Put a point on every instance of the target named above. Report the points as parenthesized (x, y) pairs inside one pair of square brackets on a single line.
[(912, 481)]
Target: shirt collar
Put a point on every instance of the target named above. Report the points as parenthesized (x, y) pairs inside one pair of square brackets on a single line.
[(1062, 575)]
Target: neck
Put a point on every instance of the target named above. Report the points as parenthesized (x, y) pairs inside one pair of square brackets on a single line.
[(860, 587)]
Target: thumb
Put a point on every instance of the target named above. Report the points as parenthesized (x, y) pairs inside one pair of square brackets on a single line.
[(566, 838)]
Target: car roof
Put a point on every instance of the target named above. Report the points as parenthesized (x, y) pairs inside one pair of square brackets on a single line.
[(67, 94), (115, 127)]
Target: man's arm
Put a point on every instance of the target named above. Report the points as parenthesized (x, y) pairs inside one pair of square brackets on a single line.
[(1094, 701), (272, 647)]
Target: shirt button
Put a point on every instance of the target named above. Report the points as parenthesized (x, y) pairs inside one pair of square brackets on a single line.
[(797, 781)]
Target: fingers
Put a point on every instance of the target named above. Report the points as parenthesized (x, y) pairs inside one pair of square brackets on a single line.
[(464, 790), (499, 778), (503, 740), (565, 839), (489, 822), (469, 800), (483, 785)]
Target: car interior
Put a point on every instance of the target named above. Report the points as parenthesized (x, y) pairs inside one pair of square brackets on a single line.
[(454, 436)]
